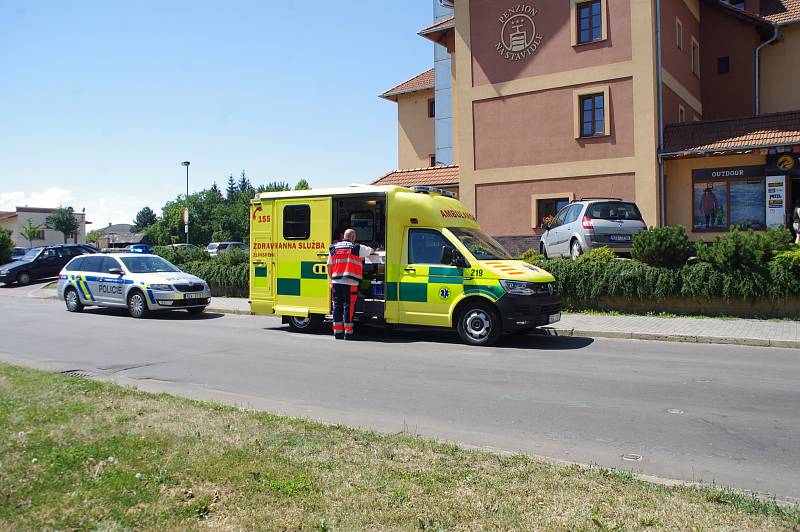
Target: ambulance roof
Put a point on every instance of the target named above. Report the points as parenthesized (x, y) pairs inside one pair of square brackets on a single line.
[(343, 191)]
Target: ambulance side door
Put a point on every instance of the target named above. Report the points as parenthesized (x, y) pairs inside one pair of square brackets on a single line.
[(262, 257), (303, 232), (427, 287)]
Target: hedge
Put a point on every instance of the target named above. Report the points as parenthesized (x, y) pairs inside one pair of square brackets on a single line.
[(228, 275)]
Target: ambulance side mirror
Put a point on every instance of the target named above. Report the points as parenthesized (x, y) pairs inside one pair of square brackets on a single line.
[(448, 254)]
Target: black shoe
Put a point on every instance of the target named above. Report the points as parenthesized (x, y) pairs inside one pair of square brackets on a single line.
[(338, 337), (349, 337)]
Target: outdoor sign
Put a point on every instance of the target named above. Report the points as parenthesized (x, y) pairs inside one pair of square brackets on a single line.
[(725, 173), (784, 163), (518, 36), (186, 215), (776, 201)]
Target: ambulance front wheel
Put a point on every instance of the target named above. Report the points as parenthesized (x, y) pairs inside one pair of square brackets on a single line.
[(309, 324), (479, 324)]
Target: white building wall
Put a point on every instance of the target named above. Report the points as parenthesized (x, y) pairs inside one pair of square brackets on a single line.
[(15, 225)]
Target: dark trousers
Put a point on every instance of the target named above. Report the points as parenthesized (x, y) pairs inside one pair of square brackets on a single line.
[(344, 306)]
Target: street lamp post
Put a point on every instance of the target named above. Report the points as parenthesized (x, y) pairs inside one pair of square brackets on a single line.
[(186, 212)]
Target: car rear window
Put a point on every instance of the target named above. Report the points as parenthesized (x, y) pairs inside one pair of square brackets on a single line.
[(614, 210), (75, 265)]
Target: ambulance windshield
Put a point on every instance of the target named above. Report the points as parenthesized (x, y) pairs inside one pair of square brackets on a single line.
[(481, 245)]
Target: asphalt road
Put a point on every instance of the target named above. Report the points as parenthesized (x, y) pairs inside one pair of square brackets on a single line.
[(723, 414)]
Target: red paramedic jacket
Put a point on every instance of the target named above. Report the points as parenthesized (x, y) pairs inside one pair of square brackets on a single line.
[(344, 263)]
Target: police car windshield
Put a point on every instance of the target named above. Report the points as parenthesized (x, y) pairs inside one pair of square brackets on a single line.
[(481, 245), (31, 254), (148, 265)]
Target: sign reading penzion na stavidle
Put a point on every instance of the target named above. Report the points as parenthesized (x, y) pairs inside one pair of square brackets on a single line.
[(518, 36)]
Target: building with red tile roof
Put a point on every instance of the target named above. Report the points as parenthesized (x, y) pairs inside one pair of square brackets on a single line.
[(445, 177)]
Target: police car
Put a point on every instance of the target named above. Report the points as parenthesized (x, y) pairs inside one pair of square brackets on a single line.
[(141, 283)]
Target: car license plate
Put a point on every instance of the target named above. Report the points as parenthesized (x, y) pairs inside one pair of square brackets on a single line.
[(198, 295), (620, 238), (555, 317)]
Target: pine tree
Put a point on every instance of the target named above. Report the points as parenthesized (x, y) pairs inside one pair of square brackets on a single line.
[(232, 190), (302, 185), (246, 189), (216, 191), (144, 219)]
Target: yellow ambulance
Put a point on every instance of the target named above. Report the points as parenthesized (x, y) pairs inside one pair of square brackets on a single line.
[(433, 266)]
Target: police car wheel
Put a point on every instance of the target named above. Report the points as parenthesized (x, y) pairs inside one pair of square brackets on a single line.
[(479, 324), (305, 325), (72, 301), (137, 305), (24, 278)]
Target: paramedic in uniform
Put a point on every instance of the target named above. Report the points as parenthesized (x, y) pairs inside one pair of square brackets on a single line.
[(345, 269)]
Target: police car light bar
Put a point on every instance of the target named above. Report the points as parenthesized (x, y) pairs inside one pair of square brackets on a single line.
[(433, 190)]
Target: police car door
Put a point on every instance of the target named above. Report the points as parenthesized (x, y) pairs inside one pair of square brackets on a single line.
[(109, 285), (303, 232)]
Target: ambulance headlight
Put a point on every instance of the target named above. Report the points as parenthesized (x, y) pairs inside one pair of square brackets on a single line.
[(162, 287), (517, 288)]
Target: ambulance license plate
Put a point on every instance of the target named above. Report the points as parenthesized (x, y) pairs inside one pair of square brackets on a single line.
[(194, 296), (555, 317)]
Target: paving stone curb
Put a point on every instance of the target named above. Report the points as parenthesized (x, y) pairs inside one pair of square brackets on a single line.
[(722, 340)]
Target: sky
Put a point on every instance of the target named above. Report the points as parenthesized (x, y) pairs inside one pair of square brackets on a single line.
[(102, 100)]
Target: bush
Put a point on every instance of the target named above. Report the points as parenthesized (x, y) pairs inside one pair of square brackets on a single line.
[(599, 254), (178, 256), (6, 246), (225, 280), (743, 251), (663, 247), (534, 258)]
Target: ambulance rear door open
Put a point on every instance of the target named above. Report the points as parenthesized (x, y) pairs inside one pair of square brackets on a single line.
[(262, 257), (300, 242)]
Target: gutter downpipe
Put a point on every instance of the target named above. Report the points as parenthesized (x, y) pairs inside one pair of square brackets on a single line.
[(757, 73), (662, 218)]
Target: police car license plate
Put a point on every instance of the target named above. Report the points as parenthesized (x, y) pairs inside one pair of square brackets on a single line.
[(194, 296), (555, 317)]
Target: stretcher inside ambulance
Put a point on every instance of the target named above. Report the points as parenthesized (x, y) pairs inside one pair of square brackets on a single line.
[(432, 266)]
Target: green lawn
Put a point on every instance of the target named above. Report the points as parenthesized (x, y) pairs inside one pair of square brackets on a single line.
[(77, 453)]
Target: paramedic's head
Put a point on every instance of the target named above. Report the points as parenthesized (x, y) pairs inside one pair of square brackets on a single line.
[(350, 235)]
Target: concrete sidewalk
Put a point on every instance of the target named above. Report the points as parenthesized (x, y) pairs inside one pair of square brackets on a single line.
[(758, 333)]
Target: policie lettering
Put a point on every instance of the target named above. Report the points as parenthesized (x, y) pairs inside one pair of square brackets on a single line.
[(110, 289)]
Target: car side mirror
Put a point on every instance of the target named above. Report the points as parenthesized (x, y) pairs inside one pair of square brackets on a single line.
[(448, 254), (115, 271)]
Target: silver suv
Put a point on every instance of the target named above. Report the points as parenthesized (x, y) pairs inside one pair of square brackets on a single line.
[(141, 283), (588, 223)]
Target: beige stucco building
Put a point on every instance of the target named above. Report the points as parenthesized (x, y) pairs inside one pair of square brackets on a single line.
[(15, 221), (554, 101), (416, 144)]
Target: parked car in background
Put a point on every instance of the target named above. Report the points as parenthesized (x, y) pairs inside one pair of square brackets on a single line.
[(18, 253), (185, 247), (588, 223), (216, 248), (139, 248), (40, 263), (136, 281)]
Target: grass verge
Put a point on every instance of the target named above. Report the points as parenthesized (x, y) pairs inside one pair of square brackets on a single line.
[(77, 454)]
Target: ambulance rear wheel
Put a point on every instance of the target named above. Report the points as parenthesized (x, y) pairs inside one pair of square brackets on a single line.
[(479, 324), (308, 324)]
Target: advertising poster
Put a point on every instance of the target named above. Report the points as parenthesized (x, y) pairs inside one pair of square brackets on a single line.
[(776, 201)]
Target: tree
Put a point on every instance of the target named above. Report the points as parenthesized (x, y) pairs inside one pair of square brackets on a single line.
[(246, 190), (275, 186), (144, 219), (6, 246), (216, 191), (94, 236), (231, 191), (302, 185), (30, 232), (63, 221)]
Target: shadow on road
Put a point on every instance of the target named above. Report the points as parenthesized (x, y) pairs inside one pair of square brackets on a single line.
[(167, 315), (32, 285), (372, 333)]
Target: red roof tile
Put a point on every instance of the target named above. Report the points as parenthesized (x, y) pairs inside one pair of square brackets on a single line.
[(419, 82), (763, 131), (433, 176), (442, 25), (781, 11), (6, 214)]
